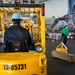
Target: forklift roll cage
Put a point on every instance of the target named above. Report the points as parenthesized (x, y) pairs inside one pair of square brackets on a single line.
[(7, 8), (35, 63)]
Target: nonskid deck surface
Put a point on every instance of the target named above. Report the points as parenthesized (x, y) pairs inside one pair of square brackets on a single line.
[(57, 66)]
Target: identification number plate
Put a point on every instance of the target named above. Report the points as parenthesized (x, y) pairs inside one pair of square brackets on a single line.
[(14, 67)]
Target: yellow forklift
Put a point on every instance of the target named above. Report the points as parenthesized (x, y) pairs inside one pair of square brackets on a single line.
[(26, 63)]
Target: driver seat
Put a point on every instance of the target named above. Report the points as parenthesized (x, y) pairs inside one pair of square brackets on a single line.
[(17, 46)]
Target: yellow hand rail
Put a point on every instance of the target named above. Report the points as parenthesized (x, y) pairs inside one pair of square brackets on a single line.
[(42, 60)]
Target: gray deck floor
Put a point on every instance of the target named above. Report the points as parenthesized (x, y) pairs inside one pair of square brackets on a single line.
[(57, 66)]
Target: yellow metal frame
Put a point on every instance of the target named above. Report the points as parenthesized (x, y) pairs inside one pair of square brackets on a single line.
[(62, 48), (28, 63), (3, 27)]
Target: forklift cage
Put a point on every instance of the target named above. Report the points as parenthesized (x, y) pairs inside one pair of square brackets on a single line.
[(38, 8), (28, 63)]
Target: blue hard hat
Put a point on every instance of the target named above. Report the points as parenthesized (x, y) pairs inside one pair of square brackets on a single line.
[(16, 16)]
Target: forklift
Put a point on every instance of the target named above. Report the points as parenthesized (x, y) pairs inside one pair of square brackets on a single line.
[(26, 63)]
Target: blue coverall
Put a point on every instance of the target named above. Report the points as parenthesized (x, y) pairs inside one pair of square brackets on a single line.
[(17, 32)]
